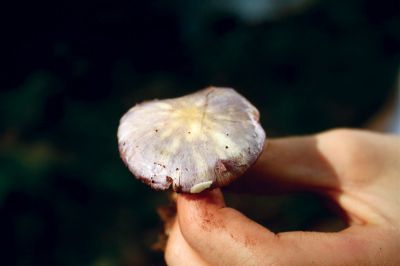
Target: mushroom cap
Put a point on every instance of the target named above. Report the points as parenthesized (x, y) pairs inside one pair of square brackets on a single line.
[(199, 141)]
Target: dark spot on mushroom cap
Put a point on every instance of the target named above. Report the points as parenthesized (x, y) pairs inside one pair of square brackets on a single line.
[(177, 187), (226, 147), (188, 132), (156, 130), (169, 180), (177, 169), (159, 164)]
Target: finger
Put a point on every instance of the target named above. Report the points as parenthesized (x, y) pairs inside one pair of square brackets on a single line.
[(288, 164), (206, 228), (178, 252), (311, 162), (221, 235)]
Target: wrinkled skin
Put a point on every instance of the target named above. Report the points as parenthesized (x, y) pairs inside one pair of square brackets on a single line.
[(358, 170)]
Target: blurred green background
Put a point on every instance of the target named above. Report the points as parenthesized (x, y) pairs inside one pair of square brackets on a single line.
[(72, 68)]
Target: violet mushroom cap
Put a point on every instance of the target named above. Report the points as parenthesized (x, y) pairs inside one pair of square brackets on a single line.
[(196, 142)]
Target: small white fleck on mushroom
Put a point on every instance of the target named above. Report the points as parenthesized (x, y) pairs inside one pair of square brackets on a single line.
[(200, 187)]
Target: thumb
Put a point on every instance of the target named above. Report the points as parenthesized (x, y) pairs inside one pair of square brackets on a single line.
[(219, 233), (222, 235)]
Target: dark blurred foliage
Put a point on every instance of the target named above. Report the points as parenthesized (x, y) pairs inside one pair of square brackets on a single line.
[(72, 68)]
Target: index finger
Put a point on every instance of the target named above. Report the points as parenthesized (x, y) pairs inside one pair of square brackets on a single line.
[(288, 164), (331, 160)]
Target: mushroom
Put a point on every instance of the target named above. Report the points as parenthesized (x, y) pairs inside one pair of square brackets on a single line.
[(196, 142)]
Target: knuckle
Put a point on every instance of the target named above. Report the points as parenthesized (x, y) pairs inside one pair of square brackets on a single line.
[(353, 151), (342, 134), (348, 143)]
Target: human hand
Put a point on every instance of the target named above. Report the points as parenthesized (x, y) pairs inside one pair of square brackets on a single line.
[(359, 170)]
